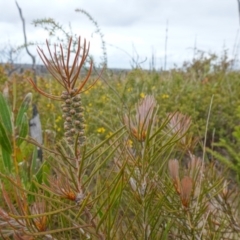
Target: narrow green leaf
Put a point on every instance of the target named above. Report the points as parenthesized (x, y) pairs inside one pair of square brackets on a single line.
[(222, 159), (4, 140), (33, 165), (5, 114), (165, 233), (43, 172)]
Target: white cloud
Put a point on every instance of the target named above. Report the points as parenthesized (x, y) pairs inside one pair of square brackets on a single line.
[(141, 23)]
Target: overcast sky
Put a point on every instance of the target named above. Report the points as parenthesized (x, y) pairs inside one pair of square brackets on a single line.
[(134, 28)]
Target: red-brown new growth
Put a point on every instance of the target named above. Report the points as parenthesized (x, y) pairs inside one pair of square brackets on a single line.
[(60, 69)]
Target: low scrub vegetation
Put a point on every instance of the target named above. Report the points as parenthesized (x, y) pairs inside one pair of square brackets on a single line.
[(133, 155)]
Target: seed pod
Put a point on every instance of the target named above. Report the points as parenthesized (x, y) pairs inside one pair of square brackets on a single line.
[(73, 91), (73, 130), (81, 133), (77, 122), (79, 116), (76, 98), (68, 134), (68, 101), (68, 119), (76, 104), (65, 105), (72, 112), (66, 109), (67, 126), (65, 95), (65, 115)]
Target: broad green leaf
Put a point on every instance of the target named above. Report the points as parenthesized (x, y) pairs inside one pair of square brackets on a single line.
[(5, 114), (4, 139), (23, 109), (23, 129), (19, 155), (7, 160)]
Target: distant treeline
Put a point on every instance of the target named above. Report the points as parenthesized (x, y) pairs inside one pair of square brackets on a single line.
[(42, 70)]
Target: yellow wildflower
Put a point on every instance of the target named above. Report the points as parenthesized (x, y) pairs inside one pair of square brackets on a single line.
[(47, 85), (142, 95), (129, 143), (109, 134), (104, 98), (101, 130), (165, 96), (58, 119)]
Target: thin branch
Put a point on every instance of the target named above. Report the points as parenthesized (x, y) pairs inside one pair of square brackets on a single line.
[(166, 41), (239, 9), (26, 46)]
